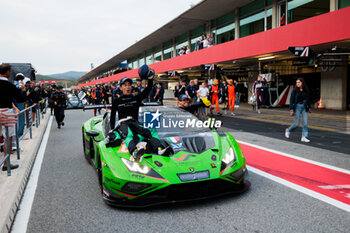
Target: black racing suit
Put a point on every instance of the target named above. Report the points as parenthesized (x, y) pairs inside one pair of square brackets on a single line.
[(59, 99), (98, 100), (128, 105), (51, 102)]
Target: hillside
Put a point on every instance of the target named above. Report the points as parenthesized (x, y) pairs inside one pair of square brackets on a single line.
[(63, 82), (41, 77), (70, 75)]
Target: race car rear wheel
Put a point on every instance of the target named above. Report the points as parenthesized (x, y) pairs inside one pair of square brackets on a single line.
[(87, 146), (99, 173)]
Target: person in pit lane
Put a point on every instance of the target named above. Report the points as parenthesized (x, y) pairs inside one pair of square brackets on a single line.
[(128, 127), (184, 103)]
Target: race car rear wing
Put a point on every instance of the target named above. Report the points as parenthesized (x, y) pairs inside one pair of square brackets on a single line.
[(89, 107), (151, 104)]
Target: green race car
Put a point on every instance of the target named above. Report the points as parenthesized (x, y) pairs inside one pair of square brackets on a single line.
[(205, 163)]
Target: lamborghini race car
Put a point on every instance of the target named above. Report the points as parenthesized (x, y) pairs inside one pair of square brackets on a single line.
[(204, 162)]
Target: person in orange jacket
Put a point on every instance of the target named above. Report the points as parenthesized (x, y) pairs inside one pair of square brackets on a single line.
[(214, 93), (231, 92)]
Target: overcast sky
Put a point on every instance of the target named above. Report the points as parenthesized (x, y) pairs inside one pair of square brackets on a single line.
[(68, 35)]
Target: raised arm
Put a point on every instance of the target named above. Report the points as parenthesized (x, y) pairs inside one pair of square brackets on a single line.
[(144, 94)]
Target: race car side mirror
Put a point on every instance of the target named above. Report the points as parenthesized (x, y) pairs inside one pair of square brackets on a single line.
[(92, 133)]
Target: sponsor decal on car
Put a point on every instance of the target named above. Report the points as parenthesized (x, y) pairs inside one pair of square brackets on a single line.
[(173, 139), (106, 193), (112, 181), (123, 148), (138, 176)]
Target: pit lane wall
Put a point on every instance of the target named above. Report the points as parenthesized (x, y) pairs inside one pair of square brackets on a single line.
[(12, 187)]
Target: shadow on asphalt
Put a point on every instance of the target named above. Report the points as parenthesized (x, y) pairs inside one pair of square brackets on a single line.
[(185, 205)]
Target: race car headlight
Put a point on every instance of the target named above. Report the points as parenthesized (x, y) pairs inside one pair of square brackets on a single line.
[(229, 156), (135, 167)]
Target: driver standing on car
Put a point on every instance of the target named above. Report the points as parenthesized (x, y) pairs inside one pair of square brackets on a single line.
[(128, 126)]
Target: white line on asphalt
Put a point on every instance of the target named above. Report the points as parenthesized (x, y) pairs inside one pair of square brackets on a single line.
[(301, 189), (344, 186), (297, 157), (23, 214)]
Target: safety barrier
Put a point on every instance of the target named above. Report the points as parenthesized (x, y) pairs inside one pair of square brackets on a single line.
[(23, 126)]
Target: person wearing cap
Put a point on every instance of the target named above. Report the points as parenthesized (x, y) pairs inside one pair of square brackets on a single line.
[(60, 100), (231, 97), (214, 93), (184, 103), (128, 127)]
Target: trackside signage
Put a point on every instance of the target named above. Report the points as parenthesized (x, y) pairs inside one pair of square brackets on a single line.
[(155, 120)]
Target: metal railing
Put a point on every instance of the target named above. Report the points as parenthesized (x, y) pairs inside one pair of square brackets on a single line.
[(26, 127)]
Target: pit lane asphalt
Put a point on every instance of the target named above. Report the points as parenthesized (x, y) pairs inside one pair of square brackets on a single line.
[(67, 197)]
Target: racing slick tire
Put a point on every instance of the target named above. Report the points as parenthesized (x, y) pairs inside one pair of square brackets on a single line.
[(99, 173), (88, 156)]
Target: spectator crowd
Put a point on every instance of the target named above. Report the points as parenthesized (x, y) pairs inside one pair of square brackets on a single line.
[(14, 97), (105, 94), (217, 93)]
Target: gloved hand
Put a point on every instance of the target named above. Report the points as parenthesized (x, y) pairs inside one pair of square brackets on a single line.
[(111, 135), (111, 140), (151, 74)]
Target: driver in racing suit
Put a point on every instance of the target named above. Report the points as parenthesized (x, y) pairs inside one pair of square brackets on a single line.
[(128, 126)]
